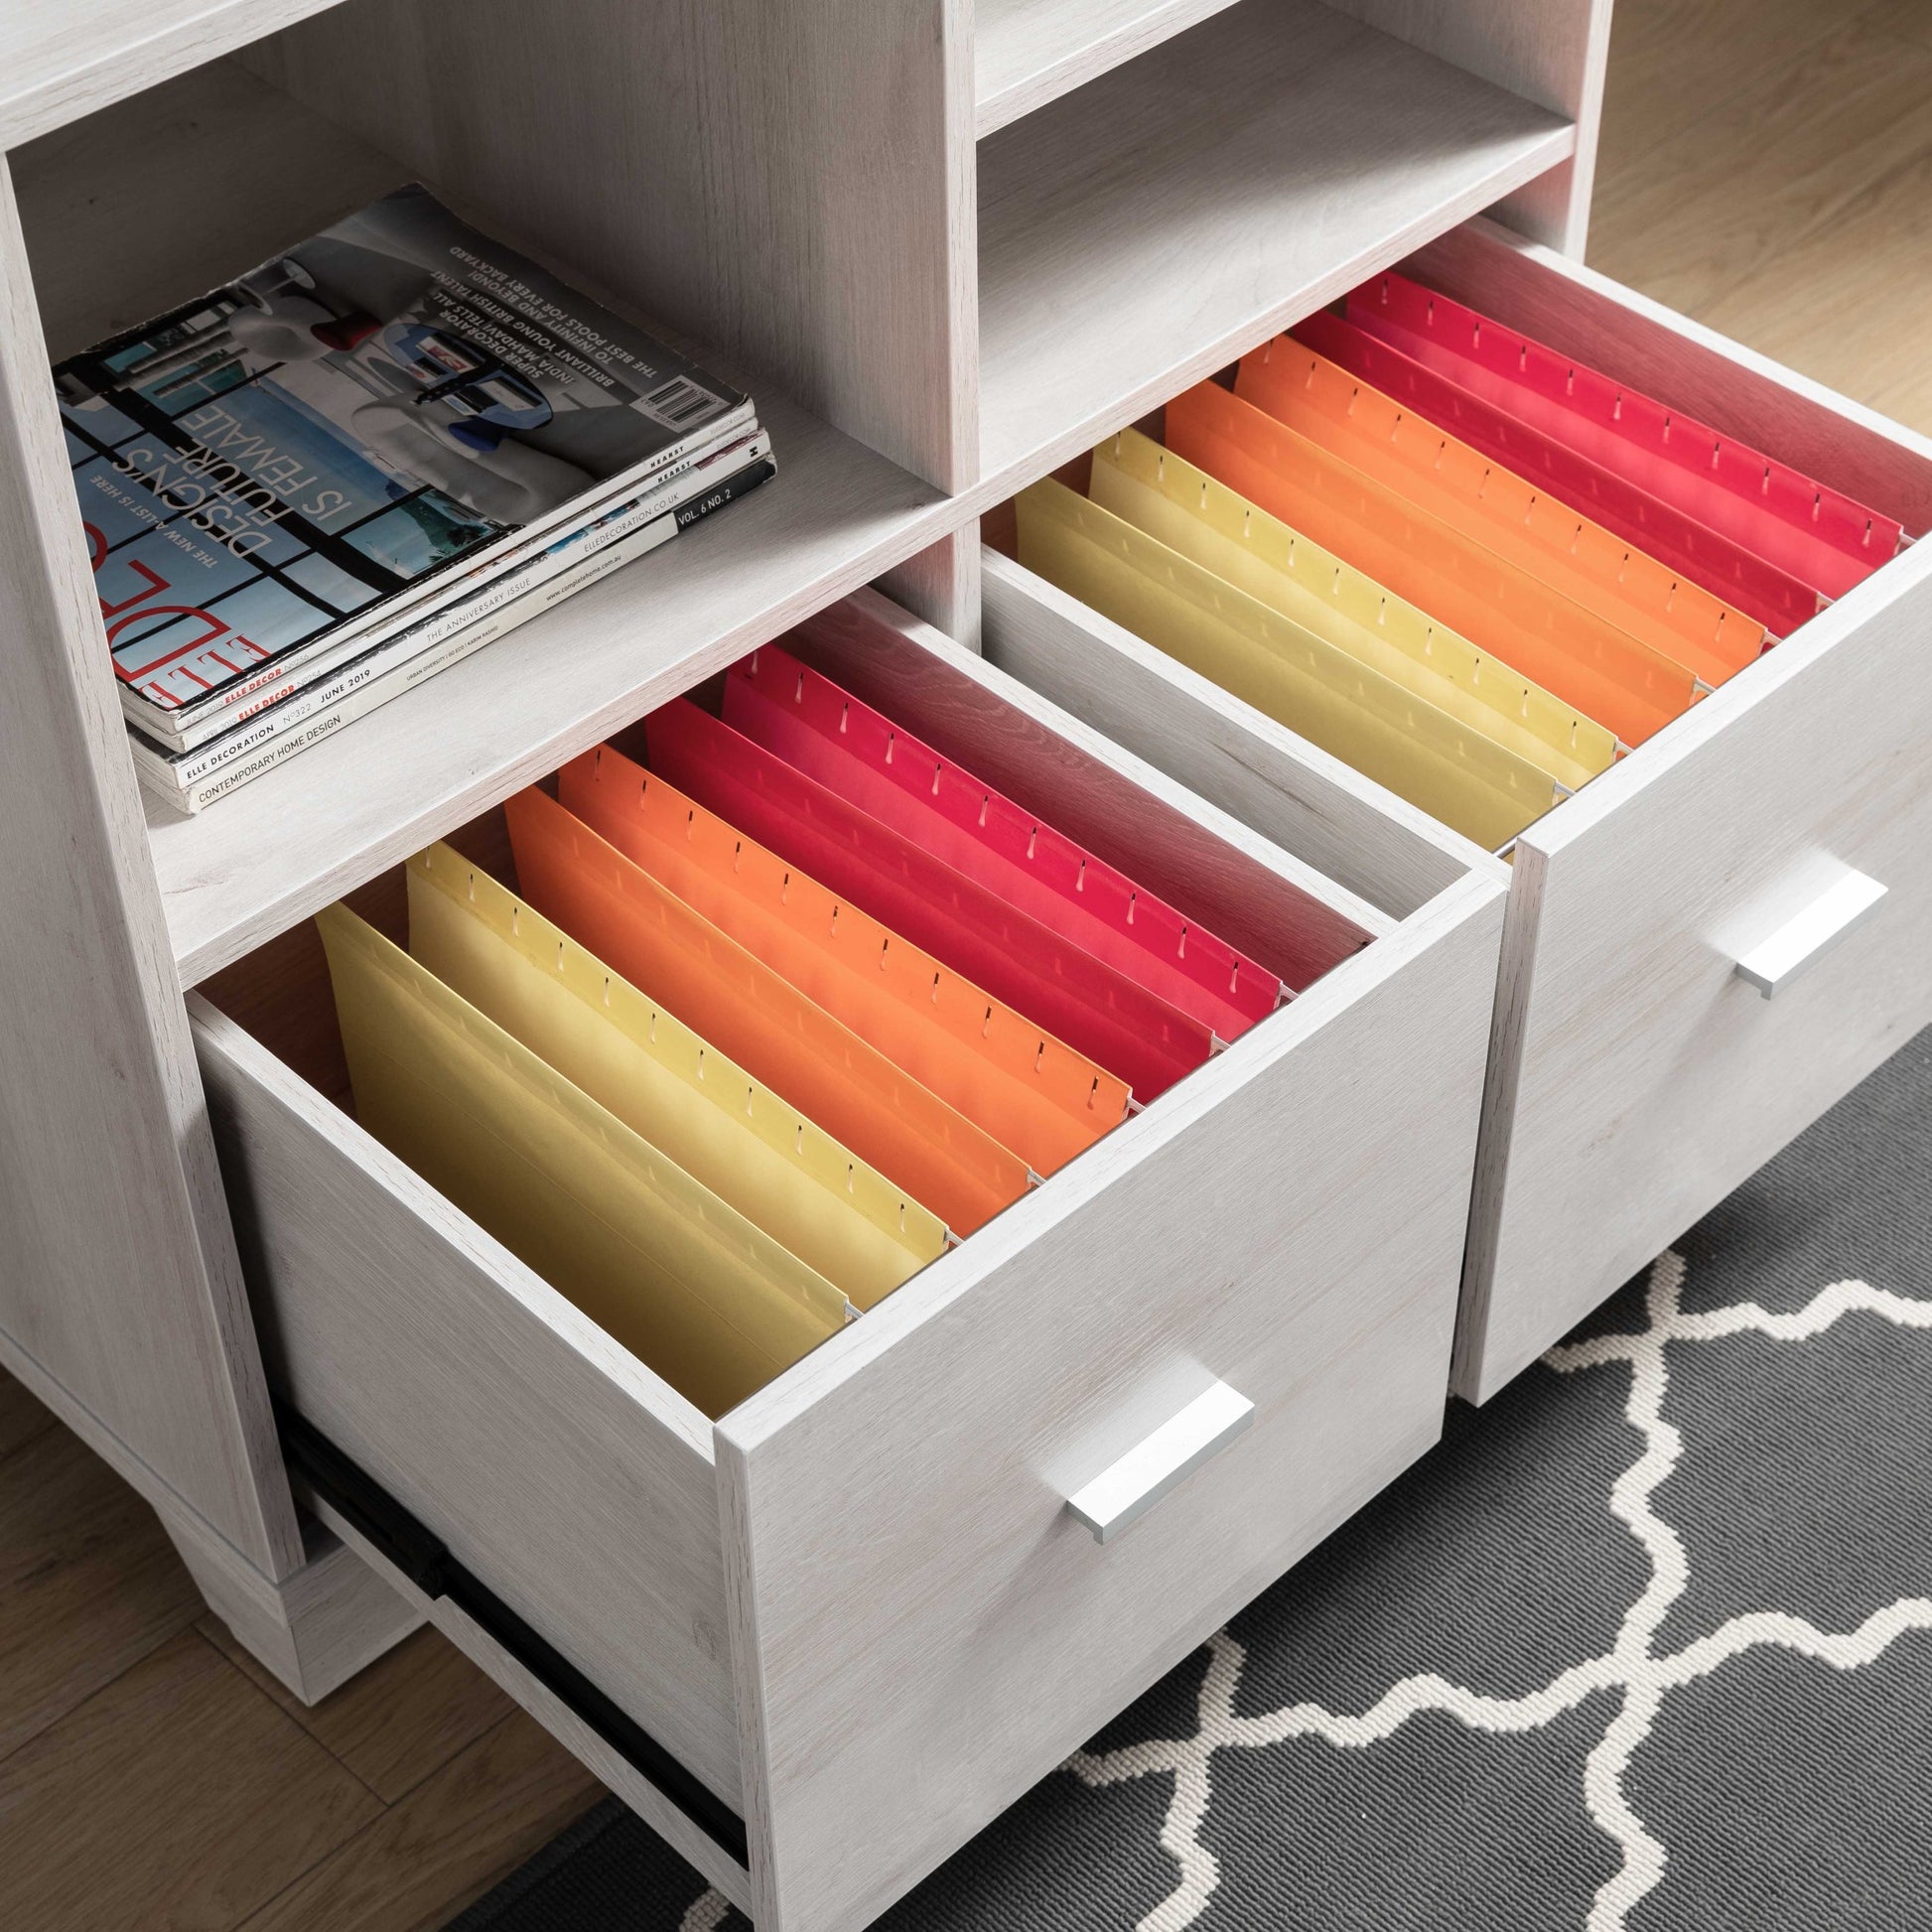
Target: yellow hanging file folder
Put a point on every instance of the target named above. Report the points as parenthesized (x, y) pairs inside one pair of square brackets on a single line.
[(838, 1215), (654, 1259), (1219, 529), (1387, 733)]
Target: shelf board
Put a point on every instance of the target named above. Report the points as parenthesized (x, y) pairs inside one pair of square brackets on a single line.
[(285, 844), (62, 59), (1027, 52), (1154, 225)]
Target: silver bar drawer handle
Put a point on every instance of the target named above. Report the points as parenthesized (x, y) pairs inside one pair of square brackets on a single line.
[(1126, 1491), (1805, 939)]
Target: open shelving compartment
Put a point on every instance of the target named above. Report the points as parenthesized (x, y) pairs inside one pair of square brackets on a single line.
[(1145, 228)]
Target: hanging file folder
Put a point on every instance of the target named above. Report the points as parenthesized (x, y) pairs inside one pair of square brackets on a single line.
[(1700, 555), (660, 1264), (727, 1131), (1819, 535), (1456, 775), (1549, 638), (1490, 506), (857, 752), (1203, 520), (1063, 989), (671, 953), (1033, 1095)]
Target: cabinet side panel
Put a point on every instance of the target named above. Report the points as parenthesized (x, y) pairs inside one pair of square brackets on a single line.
[(1550, 52), (117, 1267), (792, 184)]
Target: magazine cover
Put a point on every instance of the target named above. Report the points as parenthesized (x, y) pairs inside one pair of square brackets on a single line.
[(378, 404)]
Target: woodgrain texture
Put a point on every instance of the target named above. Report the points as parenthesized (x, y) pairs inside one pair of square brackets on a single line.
[(1027, 52), (62, 59), (1373, 844), (1261, 900), (1830, 223), (1550, 52), (1143, 232), (1688, 364), (559, 1469), (790, 183), (904, 1486), (315, 1629), (1635, 1080), (88, 1583), (650, 1804), (233, 1803), (107, 1175), (470, 1823), (22, 1416), (1723, 205), (1649, 1080), (396, 1723), (941, 584)]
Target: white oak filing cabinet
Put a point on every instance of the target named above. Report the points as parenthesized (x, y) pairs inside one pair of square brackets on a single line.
[(821, 1642)]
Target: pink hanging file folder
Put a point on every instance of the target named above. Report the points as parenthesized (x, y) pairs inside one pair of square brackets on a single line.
[(1818, 535), (1132, 1032), (859, 753), (1770, 595)]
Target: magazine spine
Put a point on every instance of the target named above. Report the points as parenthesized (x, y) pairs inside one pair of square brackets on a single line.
[(168, 723), (158, 776), (418, 628)]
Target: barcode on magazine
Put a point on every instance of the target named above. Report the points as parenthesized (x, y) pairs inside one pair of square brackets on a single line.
[(681, 401)]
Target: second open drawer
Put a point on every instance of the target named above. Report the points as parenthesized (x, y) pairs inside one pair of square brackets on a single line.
[(858, 1610), (1709, 943)]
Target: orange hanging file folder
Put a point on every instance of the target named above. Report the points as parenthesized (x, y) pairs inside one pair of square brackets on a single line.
[(671, 953), (1819, 535), (1036, 1096), (1700, 555), (863, 756), (1491, 507), (1549, 638), (1063, 989)]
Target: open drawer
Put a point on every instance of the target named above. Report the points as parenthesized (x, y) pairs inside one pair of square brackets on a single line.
[(858, 1611), (1708, 944)]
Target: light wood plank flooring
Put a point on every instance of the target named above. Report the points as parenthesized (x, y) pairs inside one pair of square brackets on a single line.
[(1766, 165)]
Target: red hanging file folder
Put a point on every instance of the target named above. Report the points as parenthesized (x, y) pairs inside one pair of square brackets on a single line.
[(1701, 555), (1063, 989), (861, 754), (1492, 505), (645, 933), (1819, 535), (1030, 1092), (1549, 638)]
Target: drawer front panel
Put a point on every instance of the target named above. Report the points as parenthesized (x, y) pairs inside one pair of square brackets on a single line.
[(1650, 1076), (923, 1626), (558, 1470)]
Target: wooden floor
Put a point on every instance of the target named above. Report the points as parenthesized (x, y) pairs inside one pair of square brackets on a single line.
[(1767, 167)]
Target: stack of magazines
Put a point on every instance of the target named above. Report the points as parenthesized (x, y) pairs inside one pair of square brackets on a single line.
[(314, 488)]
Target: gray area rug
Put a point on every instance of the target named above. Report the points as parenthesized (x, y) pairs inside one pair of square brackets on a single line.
[(1646, 1643)]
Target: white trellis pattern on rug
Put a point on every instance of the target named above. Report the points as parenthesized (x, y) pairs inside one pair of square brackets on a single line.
[(1630, 1665)]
